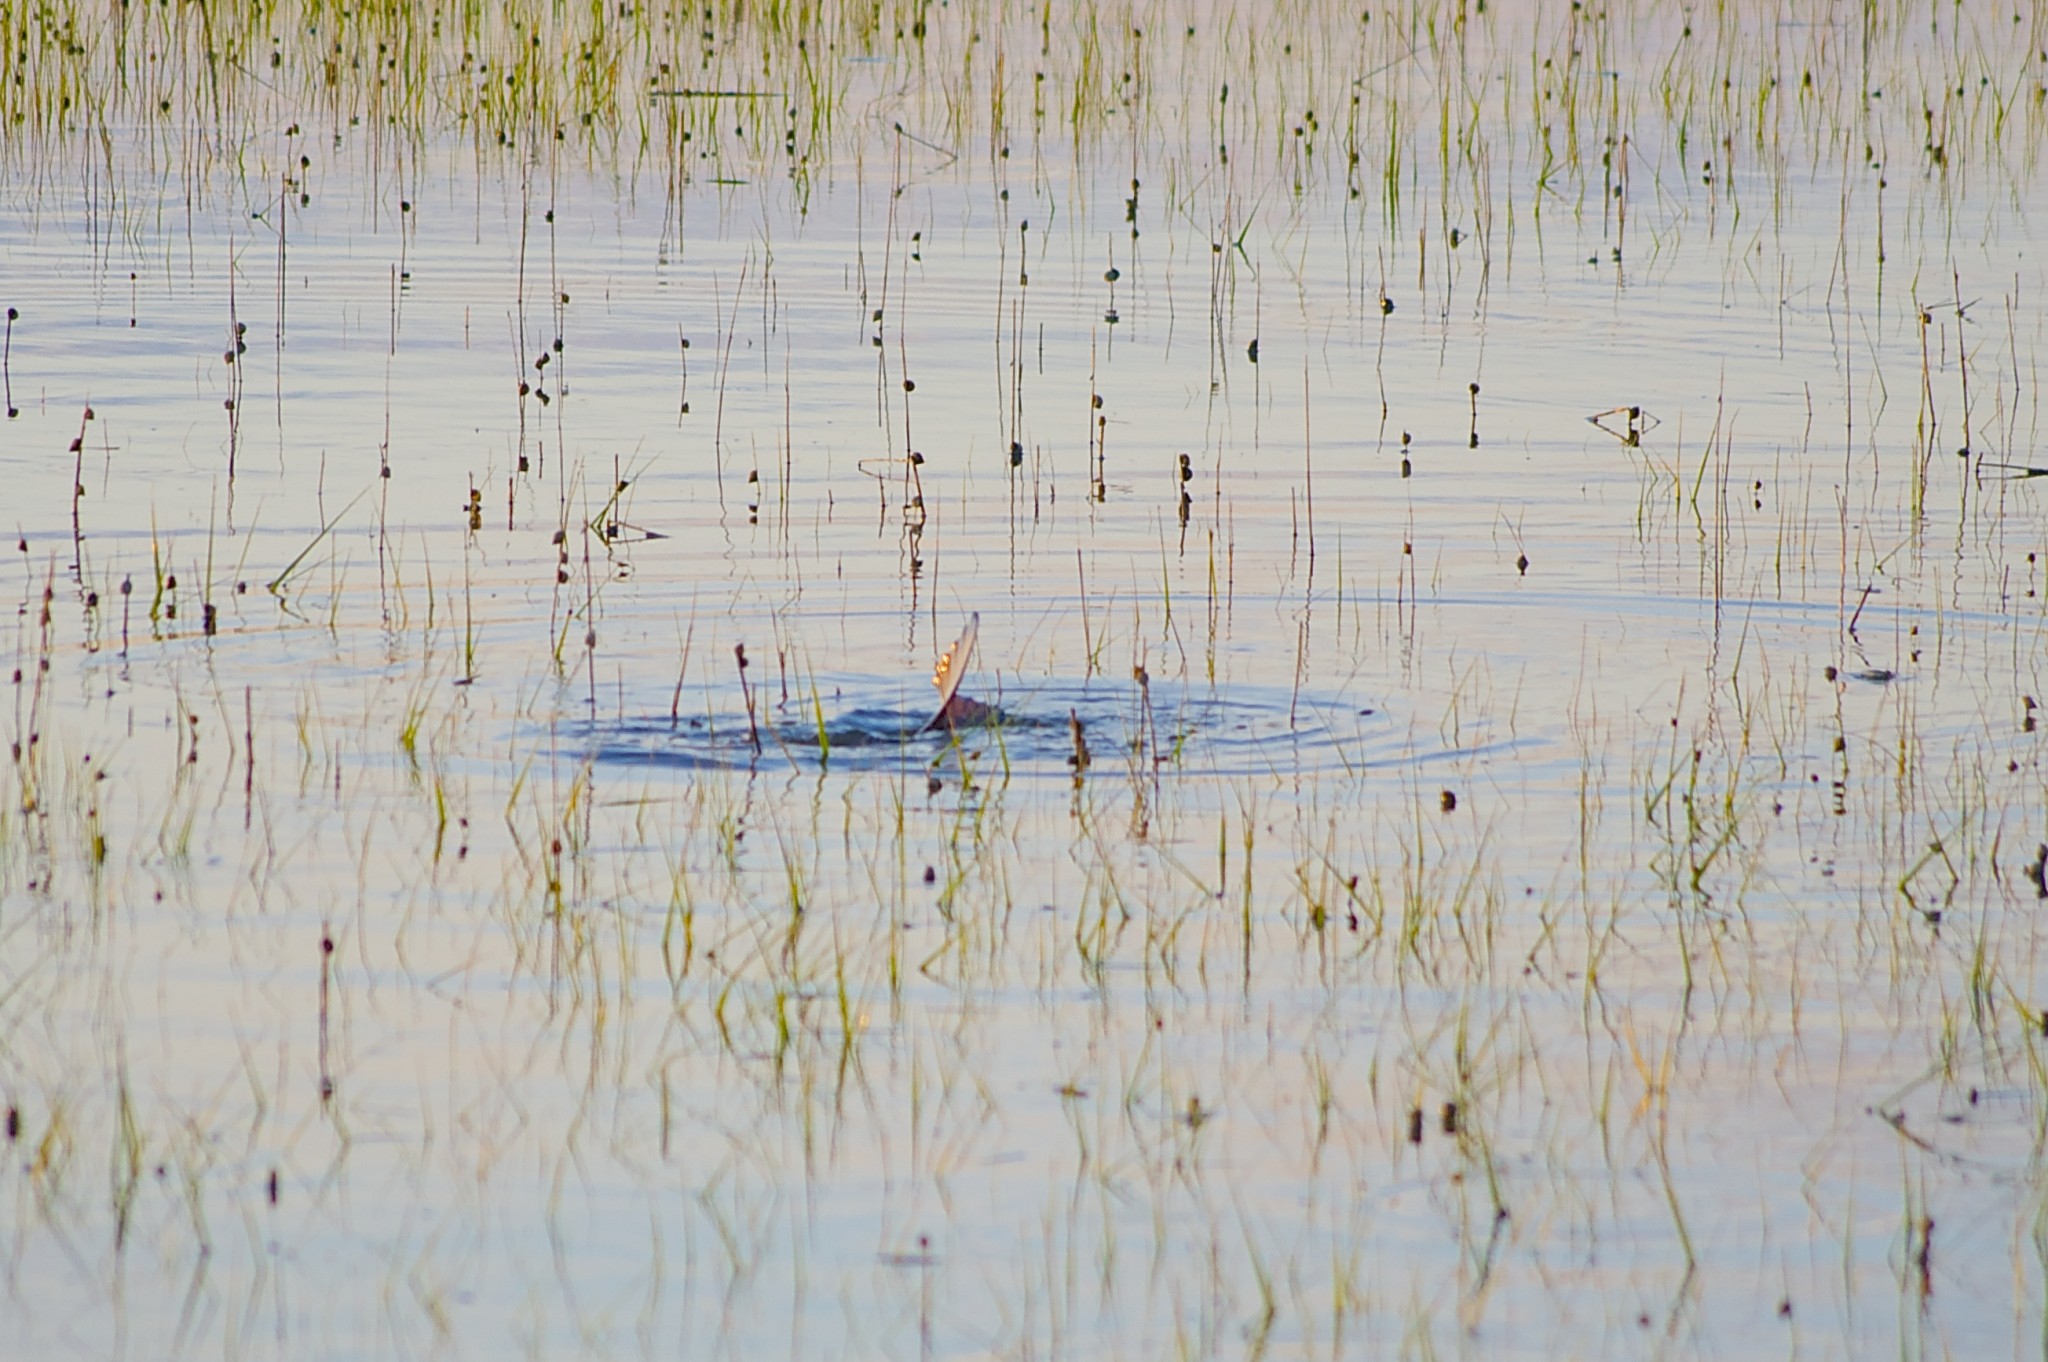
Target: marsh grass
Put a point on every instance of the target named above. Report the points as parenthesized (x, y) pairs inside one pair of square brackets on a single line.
[(1664, 973)]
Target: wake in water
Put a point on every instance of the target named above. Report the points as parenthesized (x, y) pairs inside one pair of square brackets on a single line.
[(1056, 727)]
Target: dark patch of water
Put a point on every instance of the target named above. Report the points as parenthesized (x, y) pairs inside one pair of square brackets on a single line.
[(1188, 729)]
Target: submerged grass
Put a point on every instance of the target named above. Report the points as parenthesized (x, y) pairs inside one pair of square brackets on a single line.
[(1674, 986)]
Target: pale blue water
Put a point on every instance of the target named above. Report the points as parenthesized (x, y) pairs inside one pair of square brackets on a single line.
[(1664, 806)]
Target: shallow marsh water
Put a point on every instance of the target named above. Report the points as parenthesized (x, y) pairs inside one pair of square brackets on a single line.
[(1569, 892)]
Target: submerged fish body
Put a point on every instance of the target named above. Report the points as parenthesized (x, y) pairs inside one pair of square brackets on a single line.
[(962, 711)]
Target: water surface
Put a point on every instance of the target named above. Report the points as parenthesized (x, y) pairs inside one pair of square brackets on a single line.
[(1532, 515)]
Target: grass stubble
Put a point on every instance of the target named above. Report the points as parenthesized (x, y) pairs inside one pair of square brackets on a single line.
[(1677, 990)]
